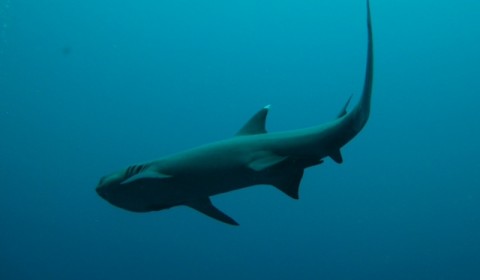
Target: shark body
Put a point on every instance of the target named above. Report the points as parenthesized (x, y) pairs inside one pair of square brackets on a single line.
[(252, 157)]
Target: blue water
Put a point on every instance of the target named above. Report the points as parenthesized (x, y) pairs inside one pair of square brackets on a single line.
[(88, 87)]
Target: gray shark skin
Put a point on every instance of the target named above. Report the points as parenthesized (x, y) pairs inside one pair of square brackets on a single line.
[(251, 157)]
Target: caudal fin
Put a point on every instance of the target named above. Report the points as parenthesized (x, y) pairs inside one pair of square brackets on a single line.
[(362, 111), (358, 117)]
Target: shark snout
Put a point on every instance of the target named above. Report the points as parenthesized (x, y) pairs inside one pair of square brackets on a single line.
[(101, 192)]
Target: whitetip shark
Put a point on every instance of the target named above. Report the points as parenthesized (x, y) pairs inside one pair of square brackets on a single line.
[(251, 157)]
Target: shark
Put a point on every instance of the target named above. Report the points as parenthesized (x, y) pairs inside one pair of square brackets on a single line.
[(251, 157)]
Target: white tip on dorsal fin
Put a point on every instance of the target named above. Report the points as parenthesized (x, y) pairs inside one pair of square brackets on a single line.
[(256, 124)]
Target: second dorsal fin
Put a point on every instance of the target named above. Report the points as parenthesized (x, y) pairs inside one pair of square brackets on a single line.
[(343, 112)]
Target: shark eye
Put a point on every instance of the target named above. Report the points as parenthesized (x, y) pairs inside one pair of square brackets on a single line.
[(102, 180)]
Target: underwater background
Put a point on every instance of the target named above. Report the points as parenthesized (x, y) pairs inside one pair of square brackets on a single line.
[(89, 87)]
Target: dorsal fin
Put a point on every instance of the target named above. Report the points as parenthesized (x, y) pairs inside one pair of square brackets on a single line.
[(256, 124)]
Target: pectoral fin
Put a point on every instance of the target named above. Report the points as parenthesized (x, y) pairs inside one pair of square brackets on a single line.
[(265, 161), (206, 207), (147, 175)]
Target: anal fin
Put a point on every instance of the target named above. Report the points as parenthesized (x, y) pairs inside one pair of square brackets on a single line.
[(206, 207), (290, 184), (289, 177), (336, 155)]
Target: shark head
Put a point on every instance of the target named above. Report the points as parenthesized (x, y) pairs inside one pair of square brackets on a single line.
[(113, 189), (110, 188), (134, 189)]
